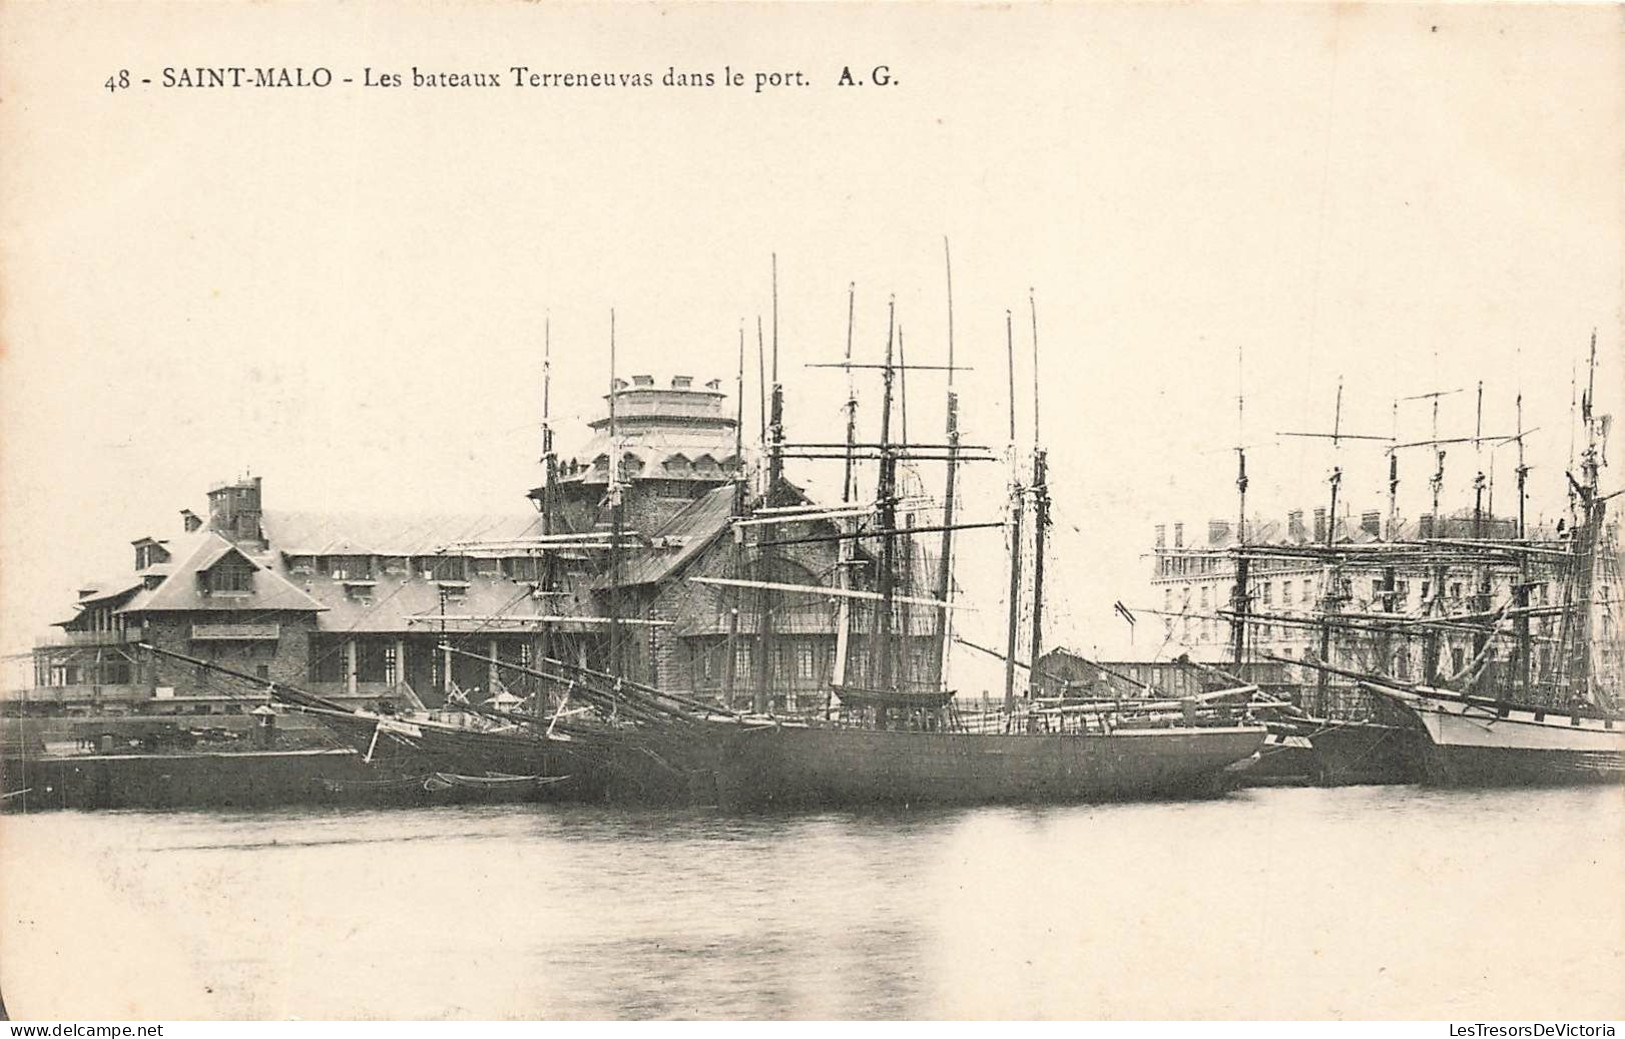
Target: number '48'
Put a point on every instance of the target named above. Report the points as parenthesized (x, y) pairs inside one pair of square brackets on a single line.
[(118, 82)]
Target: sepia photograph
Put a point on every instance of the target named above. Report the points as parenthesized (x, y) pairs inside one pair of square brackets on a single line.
[(760, 511)]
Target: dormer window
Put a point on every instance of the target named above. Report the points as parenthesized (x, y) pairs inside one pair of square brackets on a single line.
[(231, 577), (149, 552)]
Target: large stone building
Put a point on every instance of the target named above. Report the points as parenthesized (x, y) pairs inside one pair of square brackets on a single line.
[(1193, 585), (362, 607)]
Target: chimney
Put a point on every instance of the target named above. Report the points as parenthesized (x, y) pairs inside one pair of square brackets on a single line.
[(1162, 535), (1294, 526), (1424, 526), (643, 380), (1218, 532), (714, 384), (190, 521), (234, 511), (1320, 524), (1371, 523), (1179, 535), (682, 382)]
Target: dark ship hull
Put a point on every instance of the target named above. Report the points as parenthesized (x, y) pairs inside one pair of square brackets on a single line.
[(836, 766), (1360, 753)]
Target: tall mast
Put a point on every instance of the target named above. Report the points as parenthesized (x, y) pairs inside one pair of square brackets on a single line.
[(1393, 478), (848, 484), (766, 599), (730, 663), (905, 566), (1240, 598), (1586, 544), (549, 489), (1481, 590), (761, 383), (844, 548), (1478, 459), (1521, 597), (775, 428), (886, 503), (945, 582), (615, 519), (1330, 601), (1040, 516), (1572, 383), (1014, 617), (1430, 643), (1390, 574)]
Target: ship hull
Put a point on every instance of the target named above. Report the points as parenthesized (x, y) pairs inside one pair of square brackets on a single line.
[(1481, 743), (1357, 753), (850, 767)]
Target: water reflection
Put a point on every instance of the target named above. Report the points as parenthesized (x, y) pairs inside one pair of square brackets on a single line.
[(1354, 902)]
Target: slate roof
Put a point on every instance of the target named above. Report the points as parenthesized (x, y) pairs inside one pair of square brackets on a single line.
[(683, 537), (181, 590)]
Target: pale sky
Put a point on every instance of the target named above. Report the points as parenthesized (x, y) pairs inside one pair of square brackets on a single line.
[(343, 290)]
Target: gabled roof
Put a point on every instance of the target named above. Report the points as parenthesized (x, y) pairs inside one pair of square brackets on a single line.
[(683, 537), (688, 533), (181, 590)]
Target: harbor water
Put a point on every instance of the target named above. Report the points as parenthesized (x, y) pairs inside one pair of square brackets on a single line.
[(1356, 902)]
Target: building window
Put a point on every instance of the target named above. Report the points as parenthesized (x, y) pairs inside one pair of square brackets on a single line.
[(302, 564), (1308, 591), (231, 576), (804, 661), (1455, 590), (1286, 593), (1458, 660), (1204, 597), (445, 568), (358, 568), (394, 564), (392, 664), (487, 567), (1269, 592), (520, 568)]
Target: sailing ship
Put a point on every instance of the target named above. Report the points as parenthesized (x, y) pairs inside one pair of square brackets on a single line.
[(892, 732), (1316, 738), (1526, 718)]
